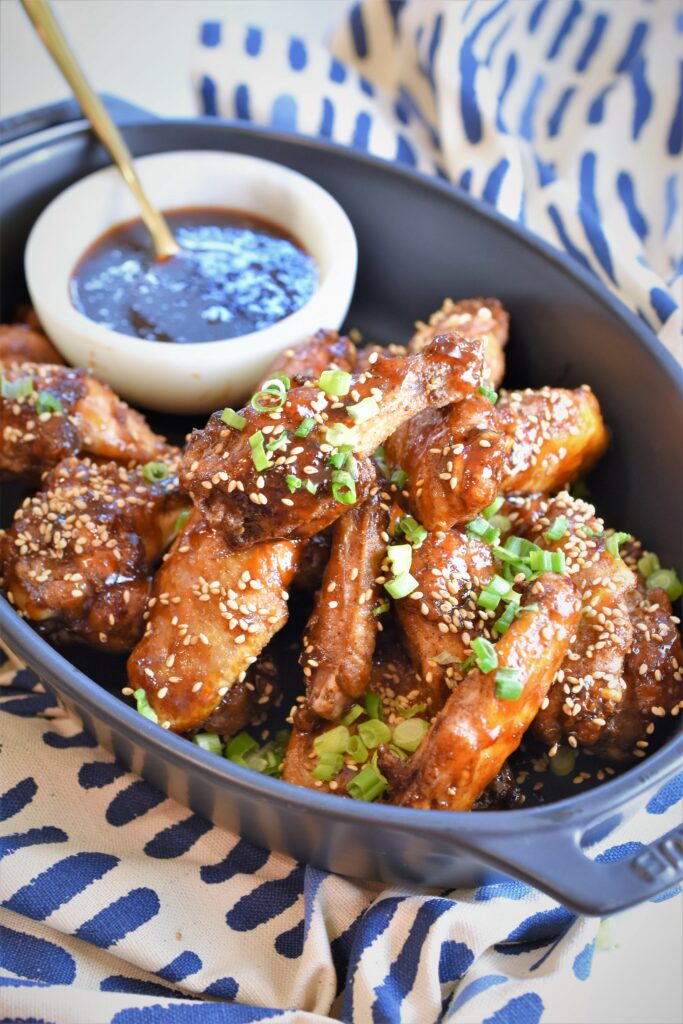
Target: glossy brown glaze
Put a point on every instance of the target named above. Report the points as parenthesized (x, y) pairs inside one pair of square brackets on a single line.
[(20, 343), (78, 559), (472, 318), (248, 701), (325, 350)]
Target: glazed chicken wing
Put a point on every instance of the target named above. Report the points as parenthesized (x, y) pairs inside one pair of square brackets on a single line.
[(50, 412), (283, 473), (20, 343), (78, 559), (248, 700), (340, 637), (556, 435), (472, 318), (476, 730), (369, 354), (325, 350), (454, 458), (211, 613)]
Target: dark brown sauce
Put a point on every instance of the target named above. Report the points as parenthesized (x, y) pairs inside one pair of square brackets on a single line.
[(236, 273)]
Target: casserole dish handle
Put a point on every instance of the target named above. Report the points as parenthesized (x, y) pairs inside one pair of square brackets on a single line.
[(30, 122), (561, 867)]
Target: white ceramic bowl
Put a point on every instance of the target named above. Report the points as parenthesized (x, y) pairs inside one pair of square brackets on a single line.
[(192, 377)]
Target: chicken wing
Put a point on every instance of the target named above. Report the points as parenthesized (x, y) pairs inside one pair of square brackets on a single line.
[(248, 701), (472, 318), (556, 435), (297, 489), (369, 354), (78, 559), (454, 458), (50, 412), (476, 731), (211, 613), (340, 637), (326, 349), (20, 343)]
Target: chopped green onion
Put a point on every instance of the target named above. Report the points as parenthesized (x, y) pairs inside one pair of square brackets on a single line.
[(485, 654), (488, 393), (547, 561), (378, 456), (272, 389), (408, 735), (367, 785), (494, 591), (329, 765), (343, 487), (481, 528), (258, 452), (397, 752), (504, 621), (210, 741), (339, 434), (233, 419), (495, 505), (563, 762), (239, 746), (273, 754), (412, 530), (400, 557), (648, 564), (444, 658), (354, 712), (305, 427), (614, 542), (357, 750), (467, 664), (374, 732), (416, 709), (527, 608), (144, 707), (310, 486), (501, 523), (278, 441), (401, 586), (16, 388), (373, 705), (399, 478), (293, 482), (508, 684), (557, 528), (181, 520), (47, 402), (279, 376), (364, 410), (335, 382), (332, 742), (155, 472), (381, 608), (666, 579)]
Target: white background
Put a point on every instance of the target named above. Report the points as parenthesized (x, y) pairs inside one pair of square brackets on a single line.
[(140, 50)]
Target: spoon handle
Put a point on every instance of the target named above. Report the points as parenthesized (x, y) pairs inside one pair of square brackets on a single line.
[(47, 26)]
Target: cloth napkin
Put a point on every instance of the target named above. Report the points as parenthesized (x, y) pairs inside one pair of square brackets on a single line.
[(117, 904)]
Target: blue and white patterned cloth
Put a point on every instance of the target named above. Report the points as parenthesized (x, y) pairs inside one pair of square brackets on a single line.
[(117, 904)]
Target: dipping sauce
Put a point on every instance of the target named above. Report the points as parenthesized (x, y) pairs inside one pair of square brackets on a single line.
[(236, 273)]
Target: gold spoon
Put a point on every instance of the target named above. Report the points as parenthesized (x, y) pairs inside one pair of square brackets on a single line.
[(47, 26)]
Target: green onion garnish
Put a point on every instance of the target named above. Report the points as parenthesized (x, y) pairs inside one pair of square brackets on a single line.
[(329, 765), (488, 393), (335, 382), (342, 459), (563, 762), (380, 609), (374, 732), (444, 658), (547, 561), (343, 487), (484, 654), (467, 664), (272, 395), (233, 419), (504, 621), (305, 427), (501, 523), (293, 482), (557, 528), (310, 486), (258, 452), (416, 709), (144, 706), (278, 441), (333, 741), (181, 520), (666, 579), (482, 529), (367, 785), (210, 741), (495, 505), (16, 388), (399, 478), (412, 530), (494, 591), (47, 402), (239, 746), (508, 684), (648, 564), (401, 586), (357, 750), (614, 542), (527, 608), (354, 712), (408, 735), (155, 472), (339, 434), (363, 410), (400, 558), (373, 705), (378, 456)]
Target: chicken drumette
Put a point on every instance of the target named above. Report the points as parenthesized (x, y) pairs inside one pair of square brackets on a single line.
[(472, 318), (325, 350), (20, 343)]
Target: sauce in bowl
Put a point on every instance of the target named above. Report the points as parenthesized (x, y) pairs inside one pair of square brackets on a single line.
[(236, 273)]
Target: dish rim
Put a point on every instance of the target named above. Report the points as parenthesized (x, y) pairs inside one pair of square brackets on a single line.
[(122, 718)]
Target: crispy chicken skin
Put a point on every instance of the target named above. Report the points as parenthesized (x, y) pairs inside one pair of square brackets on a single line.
[(92, 421), (20, 343), (440, 618), (251, 505), (247, 702), (326, 349), (454, 458), (368, 354), (476, 731), (211, 613), (472, 318), (79, 556), (556, 435), (340, 636)]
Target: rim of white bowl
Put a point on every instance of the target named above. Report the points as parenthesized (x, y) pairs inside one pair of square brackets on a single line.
[(341, 272)]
